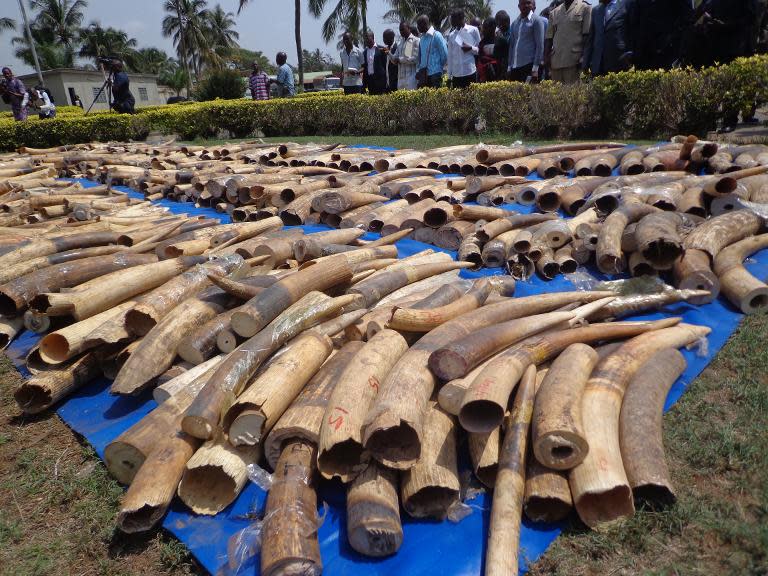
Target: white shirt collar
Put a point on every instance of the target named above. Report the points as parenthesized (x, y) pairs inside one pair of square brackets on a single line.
[(529, 17), (431, 31)]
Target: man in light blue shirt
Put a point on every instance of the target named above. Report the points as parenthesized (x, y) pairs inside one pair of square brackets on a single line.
[(285, 85), (526, 44), (433, 54)]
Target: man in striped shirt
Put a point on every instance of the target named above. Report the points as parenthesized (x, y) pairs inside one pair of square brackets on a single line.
[(259, 83)]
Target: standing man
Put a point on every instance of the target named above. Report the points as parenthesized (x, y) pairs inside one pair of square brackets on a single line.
[(406, 57), (375, 70), (463, 42), (606, 49), (526, 44), (390, 48), (259, 83), (285, 85), (433, 54), (655, 32), (13, 92), (123, 100), (501, 45), (352, 66), (567, 35)]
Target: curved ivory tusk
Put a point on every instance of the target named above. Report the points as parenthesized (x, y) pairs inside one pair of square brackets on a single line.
[(340, 447), (48, 387), (258, 408), (716, 233), (609, 255), (501, 557), (557, 433), (255, 314), (486, 400), (601, 491), (373, 512), (547, 494), (744, 291), (395, 422), (640, 427), (412, 320), (431, 486), (303, 418)]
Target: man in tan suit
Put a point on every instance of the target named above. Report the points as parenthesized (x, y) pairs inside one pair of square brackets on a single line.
[(566, 36)]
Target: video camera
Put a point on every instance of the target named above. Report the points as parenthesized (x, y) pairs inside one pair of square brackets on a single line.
[(108, 62)]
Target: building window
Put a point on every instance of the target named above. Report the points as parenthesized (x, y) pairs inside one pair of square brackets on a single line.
[(99, 98), (143, 94)]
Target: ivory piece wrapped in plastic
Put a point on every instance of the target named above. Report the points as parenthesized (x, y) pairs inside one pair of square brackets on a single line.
[(431, 486), (191, 380), (640, 428), (601, 491), (373, 512), (501, 557), (16, 295), (261, 405), (158, 348), (215, 475), (112, 289), (255, 314), (289, 531), (235, 371), (63, 344), (340, 447)]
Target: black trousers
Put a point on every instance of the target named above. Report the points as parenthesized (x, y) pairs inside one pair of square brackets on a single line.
[(463, 81), (353, 89), (435, 81), (521, 74)]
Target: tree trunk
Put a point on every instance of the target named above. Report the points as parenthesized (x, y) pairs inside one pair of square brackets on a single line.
[(364, 13), (299, 51), (183, 46)]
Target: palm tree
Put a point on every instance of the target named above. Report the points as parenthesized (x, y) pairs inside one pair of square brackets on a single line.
[(59, 18), (7, 24), (221, 36), (174, 77), (439, 11), (352, 14), (185, 23), (296, 31), (98, 42), (50, 54), (153, 61)]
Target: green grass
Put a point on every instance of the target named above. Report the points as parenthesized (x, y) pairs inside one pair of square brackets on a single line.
[(716, 439), (415, 141)]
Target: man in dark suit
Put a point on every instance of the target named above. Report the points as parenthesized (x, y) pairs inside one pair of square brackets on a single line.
[(606, 49), (655, 30), (375, 71)]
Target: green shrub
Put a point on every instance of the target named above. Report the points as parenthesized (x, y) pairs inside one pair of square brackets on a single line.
[(634, 104), (225, 83)]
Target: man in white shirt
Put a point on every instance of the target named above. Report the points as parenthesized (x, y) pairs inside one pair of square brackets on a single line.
[(463, 41), (406, 56), (352, 66)]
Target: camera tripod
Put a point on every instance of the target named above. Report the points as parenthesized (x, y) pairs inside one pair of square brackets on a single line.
[(108, 86)]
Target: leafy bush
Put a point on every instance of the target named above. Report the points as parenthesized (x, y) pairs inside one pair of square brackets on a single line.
[(632, 104), (226, 84)]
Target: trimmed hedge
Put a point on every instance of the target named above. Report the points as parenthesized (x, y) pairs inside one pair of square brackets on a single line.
[(633, 104)]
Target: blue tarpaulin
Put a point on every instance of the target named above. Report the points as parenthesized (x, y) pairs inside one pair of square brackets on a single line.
[(453, 549)]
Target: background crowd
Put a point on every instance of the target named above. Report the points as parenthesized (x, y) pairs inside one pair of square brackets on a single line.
[(567, 39)]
